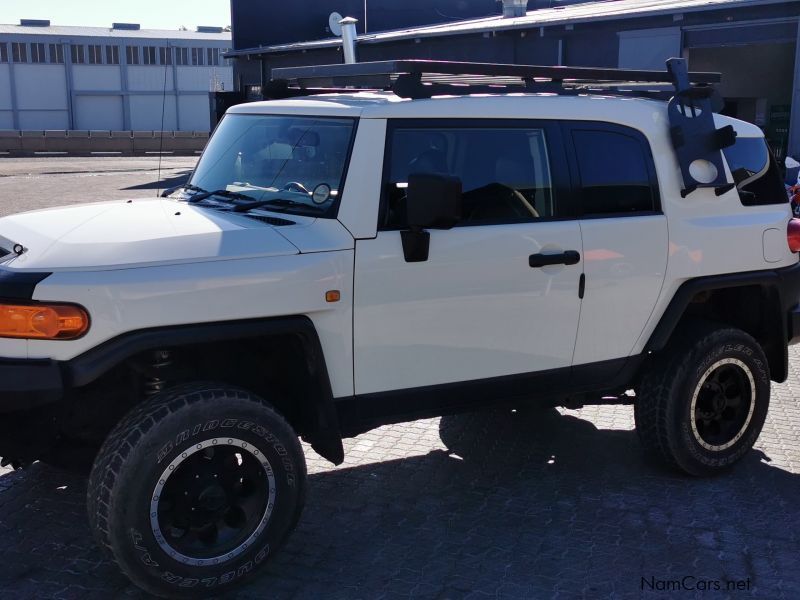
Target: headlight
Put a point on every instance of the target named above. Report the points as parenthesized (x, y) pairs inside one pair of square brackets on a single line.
[(43, 321)]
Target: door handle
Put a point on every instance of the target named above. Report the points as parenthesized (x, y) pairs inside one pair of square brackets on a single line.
[(569, 257)]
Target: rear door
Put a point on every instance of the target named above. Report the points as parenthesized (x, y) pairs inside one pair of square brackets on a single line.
[(625, 237), (480, 307)]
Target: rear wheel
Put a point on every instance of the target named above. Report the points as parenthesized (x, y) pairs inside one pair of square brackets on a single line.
[(702, 404), (195, 489)]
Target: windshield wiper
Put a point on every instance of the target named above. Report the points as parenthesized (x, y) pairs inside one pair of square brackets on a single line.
[(202, 195), (185, 186), (278, 202)]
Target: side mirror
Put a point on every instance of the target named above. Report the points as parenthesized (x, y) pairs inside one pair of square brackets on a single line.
[(432, 202)]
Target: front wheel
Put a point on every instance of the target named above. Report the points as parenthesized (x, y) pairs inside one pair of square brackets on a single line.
[(702, 404), (195, 489)]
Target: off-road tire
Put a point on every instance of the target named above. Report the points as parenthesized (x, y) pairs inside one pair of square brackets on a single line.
[(159, 434), (663, 408)]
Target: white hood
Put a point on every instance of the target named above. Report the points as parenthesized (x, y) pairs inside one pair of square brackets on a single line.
[(135, 233)]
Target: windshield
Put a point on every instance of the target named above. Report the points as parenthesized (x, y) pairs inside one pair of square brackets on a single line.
[(297, 161)]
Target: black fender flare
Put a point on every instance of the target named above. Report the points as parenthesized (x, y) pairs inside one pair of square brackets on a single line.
[(94, 363), (782, 288)]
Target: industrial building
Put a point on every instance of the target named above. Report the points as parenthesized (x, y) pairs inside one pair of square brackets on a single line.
[(753, 43), (120, 78)]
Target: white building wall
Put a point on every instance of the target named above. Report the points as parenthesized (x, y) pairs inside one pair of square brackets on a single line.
[(201, 79), (5, 87), (195, 113), (146, 113), (97, 78), (41, 87), (6, 116), (150, 79), (99, 112), (106, 96), (43, 119)]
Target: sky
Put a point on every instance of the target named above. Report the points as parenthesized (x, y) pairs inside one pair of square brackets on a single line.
[(154, 14)]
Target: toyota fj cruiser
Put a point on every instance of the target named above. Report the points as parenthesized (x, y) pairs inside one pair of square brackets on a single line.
[(425, 238)]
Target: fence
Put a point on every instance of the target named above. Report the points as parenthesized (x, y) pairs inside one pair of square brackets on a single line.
[(86, 143)]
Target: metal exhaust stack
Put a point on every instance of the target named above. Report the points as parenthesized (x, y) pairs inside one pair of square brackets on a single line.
[(349, 36), (514, 8)]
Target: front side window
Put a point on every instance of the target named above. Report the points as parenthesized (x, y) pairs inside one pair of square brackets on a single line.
[(78, 54), (295, 163), (755, 172), (504, 172), (613, 173)]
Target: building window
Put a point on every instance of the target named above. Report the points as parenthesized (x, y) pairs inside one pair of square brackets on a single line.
[(78, 54), (95, 55), (132, 55), (38, 53), (19, 52), (253, 92), (57, 54), (112, 55), (149, 54), (212, 54), (3, 53), (182, 55), (197, 57), (165, 56)]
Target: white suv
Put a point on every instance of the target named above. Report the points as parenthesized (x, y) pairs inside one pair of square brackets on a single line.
[(343, 261)]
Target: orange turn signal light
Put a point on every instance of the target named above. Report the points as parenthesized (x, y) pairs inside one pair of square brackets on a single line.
[(43, 321)]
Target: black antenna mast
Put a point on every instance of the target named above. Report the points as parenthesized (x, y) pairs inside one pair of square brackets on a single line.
[(167, 56)]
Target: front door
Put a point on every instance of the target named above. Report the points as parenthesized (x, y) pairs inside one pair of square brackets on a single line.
[(499, 293)]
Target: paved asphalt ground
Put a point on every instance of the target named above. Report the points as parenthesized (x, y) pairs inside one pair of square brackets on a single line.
[(533, 504)]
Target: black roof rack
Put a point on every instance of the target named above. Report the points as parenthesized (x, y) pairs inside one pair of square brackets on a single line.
[(692, 97), (426, 78)]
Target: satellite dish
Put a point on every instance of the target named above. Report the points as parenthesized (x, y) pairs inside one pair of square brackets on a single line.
[(333, 24)]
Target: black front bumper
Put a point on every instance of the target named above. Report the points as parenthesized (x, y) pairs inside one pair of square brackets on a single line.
[(27, 384)]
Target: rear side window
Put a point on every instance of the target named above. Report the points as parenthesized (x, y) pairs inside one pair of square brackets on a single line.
[(755, 172), (614, 174)]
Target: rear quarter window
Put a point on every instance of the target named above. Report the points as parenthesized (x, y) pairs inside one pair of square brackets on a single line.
[(755, 172)]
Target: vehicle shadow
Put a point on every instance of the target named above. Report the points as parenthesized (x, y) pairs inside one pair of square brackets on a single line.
[(528, 504), (163, 183)]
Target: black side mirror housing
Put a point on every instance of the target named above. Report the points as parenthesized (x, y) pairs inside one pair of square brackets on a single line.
[(432, 202)]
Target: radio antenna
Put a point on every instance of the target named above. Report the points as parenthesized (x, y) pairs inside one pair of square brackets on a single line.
[(167, 56)]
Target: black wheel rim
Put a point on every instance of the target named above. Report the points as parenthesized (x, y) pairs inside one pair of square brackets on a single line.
[(723, 403), (212, 502)]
